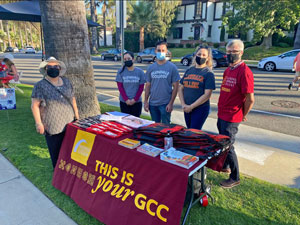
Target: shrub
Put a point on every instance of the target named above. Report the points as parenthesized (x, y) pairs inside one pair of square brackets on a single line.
[(188, 45), (180, 46), (248, 44), (216, 45), (171, 45), (283, 45)]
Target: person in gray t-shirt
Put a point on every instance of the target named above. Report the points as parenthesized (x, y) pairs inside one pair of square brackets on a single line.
[(162, 80), (130, 81)]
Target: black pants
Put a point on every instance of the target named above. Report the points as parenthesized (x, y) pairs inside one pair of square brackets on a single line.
[(54, 143), (230, 129), (134, 110)]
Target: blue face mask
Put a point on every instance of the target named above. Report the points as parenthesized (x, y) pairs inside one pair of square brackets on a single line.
[(160, 55)]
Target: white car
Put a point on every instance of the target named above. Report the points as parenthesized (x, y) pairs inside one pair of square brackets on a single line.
[(279, 62), (29, 50)]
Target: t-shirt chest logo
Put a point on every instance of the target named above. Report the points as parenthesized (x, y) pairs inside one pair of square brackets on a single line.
[(192, 81), (228, 83), (159, 74), (131, 79)]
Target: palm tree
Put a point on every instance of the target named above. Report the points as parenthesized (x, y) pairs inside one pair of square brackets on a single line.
[(106, 5), (66, 38), (143, 16), (94, 29)]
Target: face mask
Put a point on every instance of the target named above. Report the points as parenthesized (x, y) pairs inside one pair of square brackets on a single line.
[(128, 63), (232, 58), (161, 55), (53, 72), (200, 61)]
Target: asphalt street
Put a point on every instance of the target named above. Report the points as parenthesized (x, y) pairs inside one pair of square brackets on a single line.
[(276, 108)]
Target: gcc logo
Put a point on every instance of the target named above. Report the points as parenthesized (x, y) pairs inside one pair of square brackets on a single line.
[(82, 147)]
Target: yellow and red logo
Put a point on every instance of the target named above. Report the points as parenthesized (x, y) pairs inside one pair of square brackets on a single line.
[(82, 147)]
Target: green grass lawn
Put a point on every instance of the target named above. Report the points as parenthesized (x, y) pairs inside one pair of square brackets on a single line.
[(180, 52), (253, 202), (258, 52)]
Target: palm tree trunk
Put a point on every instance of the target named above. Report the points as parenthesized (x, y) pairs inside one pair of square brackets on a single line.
[(26, 34), (297, 38), (30, 32), (104, 24), (20, 34), (94, 29), (8, 34), (4, 45), (66, 38), (142, 30)]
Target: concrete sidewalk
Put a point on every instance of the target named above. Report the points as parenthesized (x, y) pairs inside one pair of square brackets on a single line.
[(264, 154), (21, 203)]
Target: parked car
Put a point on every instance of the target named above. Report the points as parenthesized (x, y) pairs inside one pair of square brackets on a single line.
[(15, 49), (148, 55), (9, 49), (279, 62), (29, 50), (114, 54), (219, 59)]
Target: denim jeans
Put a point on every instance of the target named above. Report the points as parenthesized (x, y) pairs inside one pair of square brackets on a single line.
[(230, 129), (159, 114), (197, 117)]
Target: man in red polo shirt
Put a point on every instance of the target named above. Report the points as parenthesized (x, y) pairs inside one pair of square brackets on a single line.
[(235, 102)]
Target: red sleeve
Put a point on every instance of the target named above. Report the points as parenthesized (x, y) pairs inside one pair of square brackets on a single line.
[(139, 92), (122, 91), (247, 81)]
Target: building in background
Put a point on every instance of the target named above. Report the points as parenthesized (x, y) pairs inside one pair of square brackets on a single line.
[(201, 20), (109, 39)]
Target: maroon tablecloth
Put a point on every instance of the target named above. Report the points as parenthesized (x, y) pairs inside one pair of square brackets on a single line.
[(116, 185)]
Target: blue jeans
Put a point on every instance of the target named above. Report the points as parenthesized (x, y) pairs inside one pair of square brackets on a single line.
[(197, 117), (230, 129), (159, 114)]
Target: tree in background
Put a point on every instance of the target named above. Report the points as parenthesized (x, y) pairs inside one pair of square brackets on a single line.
[(143, 16), (263, 17), (166, 12), (297, 37), (66, 38), (94, 29)]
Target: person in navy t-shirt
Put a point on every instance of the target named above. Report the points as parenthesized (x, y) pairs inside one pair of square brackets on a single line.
[(196, 87)]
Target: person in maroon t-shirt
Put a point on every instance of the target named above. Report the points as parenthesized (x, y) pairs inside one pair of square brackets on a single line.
[(235, 102)]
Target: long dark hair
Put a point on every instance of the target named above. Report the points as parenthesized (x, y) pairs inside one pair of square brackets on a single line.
[(131, 54)]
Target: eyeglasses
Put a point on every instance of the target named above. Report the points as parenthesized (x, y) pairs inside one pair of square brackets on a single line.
[(53, 67), (233, 51)]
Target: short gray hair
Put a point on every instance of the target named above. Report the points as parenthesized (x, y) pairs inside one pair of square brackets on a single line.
[(237, 42)]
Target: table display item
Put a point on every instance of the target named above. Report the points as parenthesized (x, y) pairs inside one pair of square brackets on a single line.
[(179, 158), (168, 141), (135, 122), (129, 143), (116, 113), (149, 150)]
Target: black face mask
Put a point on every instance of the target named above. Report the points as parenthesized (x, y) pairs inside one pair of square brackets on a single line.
[(200, 61), (232, 58), (128, 63), (53, 72)]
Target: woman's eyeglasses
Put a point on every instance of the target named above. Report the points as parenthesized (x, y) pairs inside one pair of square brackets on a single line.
[(53, 67)]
